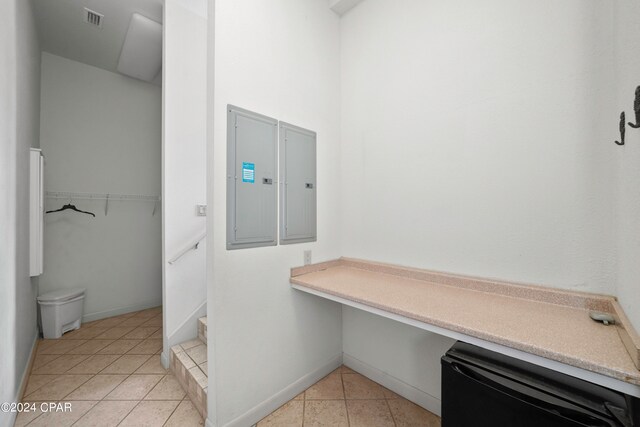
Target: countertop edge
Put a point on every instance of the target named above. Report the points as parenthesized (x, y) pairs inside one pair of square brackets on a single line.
[(584, 300)]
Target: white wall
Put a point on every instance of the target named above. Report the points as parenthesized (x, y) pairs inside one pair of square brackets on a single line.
[(19, 75), (474, 141), (627, 67), (184, 168), (28, 135), (101, 133), (277, 58), (7, 205)]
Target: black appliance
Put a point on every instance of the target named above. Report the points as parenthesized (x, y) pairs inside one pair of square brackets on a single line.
[(481, 388)]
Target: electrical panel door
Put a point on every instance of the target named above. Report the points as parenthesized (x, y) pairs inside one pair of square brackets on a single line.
[(298, 183), (251, 179)]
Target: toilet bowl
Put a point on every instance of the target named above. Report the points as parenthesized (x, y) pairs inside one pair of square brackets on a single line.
[(61, 311)]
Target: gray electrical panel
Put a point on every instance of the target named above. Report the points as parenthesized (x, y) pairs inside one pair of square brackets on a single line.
[(298, 185), (251, 179)]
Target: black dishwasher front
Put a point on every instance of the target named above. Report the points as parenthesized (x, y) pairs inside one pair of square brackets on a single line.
[(483, 388)]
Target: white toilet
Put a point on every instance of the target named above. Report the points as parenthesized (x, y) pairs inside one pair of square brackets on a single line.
[(61, 311)]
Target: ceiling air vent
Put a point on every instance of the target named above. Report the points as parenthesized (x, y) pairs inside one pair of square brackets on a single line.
[(93, 18)]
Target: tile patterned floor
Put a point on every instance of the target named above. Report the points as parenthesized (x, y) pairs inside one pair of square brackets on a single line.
[(346, 398), (110, 372)]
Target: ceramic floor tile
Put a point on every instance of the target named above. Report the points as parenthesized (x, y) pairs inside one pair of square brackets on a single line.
[(145, 314), (141, 333), (185, 360), (63, 418), (126, 364), (148, 346), (134, 321), (58, 388), (90, 347), (190, 344), (408, 414), (61, 346), (320, 413), (60, 365), (357, 386), (27, 416), (111, 322), (157, 334), (198, 354), (154, 321), (89, 333), (37, 381), (299, 397), (199, 376), (71, 334), (369, 413), (167, 389), (106, 414), (42, 359), (115, 333), (344, 370), (152, 366), (288, 415), (150, 413), (97, 387), (135, 387), (204, 367), (94, 364), (388, 394), (328, 388), (120, 347), (185, 415)]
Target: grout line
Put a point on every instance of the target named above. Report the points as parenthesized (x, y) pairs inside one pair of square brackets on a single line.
[(344, 393), (173, 412), (129, 413), (391, 412)]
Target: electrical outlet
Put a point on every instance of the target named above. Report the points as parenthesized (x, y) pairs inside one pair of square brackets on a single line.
[(201, 210), (307, 257)]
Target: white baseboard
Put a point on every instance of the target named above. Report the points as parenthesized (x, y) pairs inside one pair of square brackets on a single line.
[(23, 381), (164, 359), (122, 310), (263, 409), (208, 423), (409, 392)]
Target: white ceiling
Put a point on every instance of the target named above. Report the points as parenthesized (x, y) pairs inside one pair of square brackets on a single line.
[(63, 32)]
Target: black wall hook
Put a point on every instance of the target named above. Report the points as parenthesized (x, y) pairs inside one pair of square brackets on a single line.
[(636, 108), (622, 129)]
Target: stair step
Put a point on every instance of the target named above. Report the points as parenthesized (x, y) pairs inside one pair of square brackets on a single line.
[(202, 329), (188, 362)]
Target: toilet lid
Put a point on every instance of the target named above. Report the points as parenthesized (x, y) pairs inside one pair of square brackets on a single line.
[(61, 295)]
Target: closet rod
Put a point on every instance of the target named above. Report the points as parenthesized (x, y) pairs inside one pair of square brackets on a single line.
[(101, 196)]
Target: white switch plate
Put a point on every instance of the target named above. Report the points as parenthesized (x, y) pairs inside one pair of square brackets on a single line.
[(201, 210), (307, 257)]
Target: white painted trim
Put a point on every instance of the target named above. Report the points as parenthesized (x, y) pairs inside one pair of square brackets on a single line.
[(117, 311), (164, 359), (208, 423), (27, 369), (266, 407), (409, 392), (593, 377), (24, 379)]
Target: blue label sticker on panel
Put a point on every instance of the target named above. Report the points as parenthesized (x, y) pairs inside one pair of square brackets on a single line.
[(248, 172)]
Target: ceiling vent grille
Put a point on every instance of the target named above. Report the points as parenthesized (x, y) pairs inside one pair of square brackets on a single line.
[(93, 18)]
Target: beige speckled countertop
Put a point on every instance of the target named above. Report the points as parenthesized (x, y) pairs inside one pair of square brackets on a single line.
[(547, 322)]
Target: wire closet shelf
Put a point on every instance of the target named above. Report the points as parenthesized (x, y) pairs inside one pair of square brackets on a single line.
[(101, 196)]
